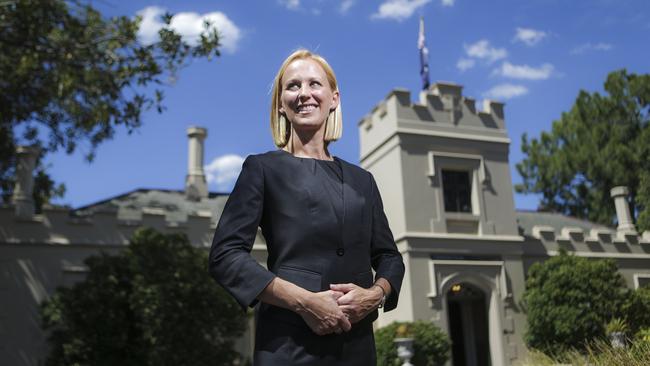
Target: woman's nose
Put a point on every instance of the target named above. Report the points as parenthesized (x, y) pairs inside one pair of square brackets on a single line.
[(304, 92)]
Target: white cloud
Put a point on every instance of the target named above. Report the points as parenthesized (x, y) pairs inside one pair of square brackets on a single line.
[(346, 5), (223, 171), (299, 5), (529, 36), (150, 24), (448, 2), (524, 71), (465, 64), (398, 9), (506, 91), (483, 50), (601, 46), (189, 25), (291, 4)]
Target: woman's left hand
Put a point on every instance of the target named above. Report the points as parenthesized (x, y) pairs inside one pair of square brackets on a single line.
[(357, 302)]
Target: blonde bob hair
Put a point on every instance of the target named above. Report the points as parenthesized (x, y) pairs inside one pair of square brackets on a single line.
[(280, 127)]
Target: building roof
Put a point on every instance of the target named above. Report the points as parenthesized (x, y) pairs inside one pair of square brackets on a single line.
[(176, 207), (173, 203), (527, 219)]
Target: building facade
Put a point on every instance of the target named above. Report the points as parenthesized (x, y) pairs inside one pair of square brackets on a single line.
[(443, 171)]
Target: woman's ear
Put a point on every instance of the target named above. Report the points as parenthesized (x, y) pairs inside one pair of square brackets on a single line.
[(335, 100)]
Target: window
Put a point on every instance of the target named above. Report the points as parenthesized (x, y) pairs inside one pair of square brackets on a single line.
[(457, 190), (641, 280)]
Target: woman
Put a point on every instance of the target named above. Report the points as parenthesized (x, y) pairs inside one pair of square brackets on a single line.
[(324, 226)]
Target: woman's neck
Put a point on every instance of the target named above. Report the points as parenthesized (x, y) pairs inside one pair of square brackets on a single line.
[(308, 144)]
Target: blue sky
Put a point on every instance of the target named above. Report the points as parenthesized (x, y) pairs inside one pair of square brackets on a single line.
[(534, 55)]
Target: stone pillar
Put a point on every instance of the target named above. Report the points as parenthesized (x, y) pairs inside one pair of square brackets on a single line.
[(195, 183), (22, 197), (625, 222)]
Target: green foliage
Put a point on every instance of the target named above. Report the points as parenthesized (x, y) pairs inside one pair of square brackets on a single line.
[(598, 353), (637, 309), (569, 299), (643, 335), (153, 304), (602, 142), (69, 76), (617, 325), (431, 346)]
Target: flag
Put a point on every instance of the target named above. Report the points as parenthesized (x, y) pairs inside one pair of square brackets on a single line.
[(424, 57)]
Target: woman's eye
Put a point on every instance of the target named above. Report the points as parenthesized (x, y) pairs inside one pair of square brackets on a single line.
[(315, 83), (292, 86)]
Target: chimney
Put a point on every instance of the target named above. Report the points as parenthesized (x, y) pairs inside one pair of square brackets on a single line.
[(625, 223), (24, 189), (195, 184)]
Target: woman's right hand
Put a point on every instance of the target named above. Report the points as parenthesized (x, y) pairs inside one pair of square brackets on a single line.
[(321, 312)]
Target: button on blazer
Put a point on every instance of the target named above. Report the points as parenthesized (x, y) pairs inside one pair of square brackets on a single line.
[(307, 245)]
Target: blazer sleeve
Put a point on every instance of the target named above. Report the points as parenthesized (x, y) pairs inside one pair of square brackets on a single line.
[(386, 259), (230, 261)]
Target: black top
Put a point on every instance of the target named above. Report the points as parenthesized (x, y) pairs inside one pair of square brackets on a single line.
[(312, 241), (333, 185)]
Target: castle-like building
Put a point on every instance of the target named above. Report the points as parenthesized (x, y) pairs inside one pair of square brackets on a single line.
[(443, 170)]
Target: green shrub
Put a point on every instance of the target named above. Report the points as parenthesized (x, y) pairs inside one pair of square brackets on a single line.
[(569, 300), (153, 304), (637, 309), (617, 325), (431, 346)]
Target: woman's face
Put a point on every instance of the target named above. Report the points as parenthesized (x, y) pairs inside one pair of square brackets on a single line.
[(306, 98)]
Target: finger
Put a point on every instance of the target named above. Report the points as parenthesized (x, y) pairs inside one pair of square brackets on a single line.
[(345, 324), (336, 294), (346, 299), (347, 309), (344, 287)]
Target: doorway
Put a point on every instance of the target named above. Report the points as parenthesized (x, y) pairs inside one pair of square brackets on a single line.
[(467, 307)]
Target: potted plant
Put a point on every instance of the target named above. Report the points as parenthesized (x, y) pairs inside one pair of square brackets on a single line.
[(616, 329)]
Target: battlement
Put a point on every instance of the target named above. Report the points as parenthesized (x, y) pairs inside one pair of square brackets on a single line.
[(442, 110), (592, 236), (56, 225), (595, 242)]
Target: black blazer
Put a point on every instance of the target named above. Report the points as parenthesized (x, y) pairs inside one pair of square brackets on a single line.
[(284, 195)]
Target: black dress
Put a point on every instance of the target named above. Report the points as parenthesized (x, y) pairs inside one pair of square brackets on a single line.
[(323, 223)]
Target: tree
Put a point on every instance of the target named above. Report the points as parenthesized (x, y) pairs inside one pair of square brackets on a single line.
[(569, 300), (69, 76), (430, 345), (602, 142), (153, 304)]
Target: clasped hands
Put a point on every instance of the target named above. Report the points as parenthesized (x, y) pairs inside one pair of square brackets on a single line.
[(335, 310)]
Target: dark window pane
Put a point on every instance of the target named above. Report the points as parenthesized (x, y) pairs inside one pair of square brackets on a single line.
[(457, 189)]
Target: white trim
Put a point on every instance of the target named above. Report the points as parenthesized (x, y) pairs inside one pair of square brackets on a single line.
[(636, 278), (452, 135), (501, 286), (482, 175), (475, 129), (451, 236), (553, 253)]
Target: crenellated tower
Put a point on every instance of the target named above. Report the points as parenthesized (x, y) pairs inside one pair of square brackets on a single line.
[(441, 164)]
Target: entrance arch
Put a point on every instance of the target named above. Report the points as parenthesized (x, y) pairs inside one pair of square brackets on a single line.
[(487, 279), (467, 309)]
